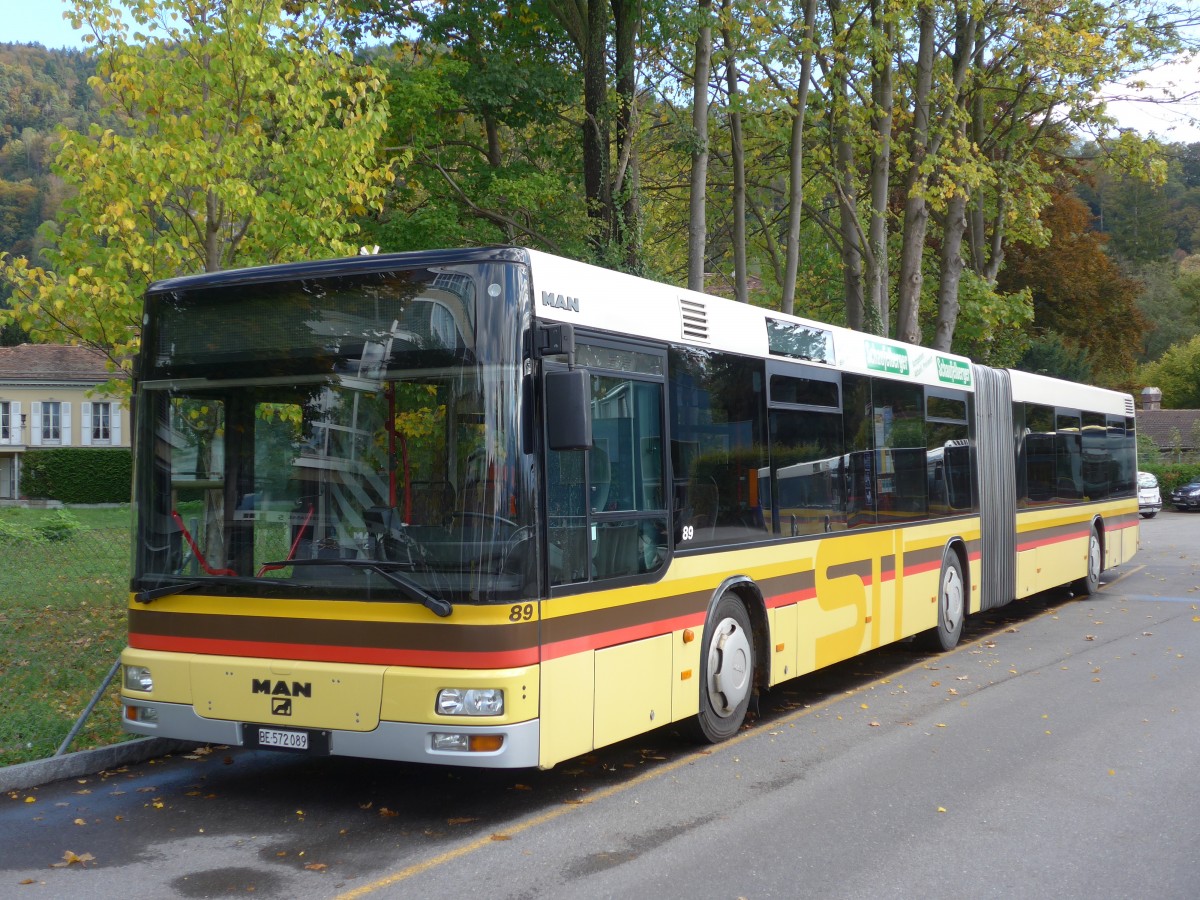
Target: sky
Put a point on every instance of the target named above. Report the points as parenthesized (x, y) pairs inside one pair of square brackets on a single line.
[(41, 21)]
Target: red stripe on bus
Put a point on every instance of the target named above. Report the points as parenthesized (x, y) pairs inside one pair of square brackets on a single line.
[(380, 656), (1053, 539), (921, 568), (559, 649), (791, 597)]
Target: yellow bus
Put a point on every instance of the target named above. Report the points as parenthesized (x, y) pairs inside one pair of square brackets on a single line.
[(491, 507)]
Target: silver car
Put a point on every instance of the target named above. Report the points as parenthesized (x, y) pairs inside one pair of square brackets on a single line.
[(1149, 498)]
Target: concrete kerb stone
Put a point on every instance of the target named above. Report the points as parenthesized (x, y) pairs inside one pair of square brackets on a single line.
[(86, 762)]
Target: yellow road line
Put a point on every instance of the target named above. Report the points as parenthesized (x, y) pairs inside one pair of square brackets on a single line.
[(659, 771), (1123, 576), (450, 855)]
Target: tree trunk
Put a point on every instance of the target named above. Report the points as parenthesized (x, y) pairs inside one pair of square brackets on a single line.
[(850, 235), (796, 163), (595, 127), (951, 271), (881, 159), (492, 129), (586, 23), (741, 291), (916, 211), (626, 188), (697, 226)]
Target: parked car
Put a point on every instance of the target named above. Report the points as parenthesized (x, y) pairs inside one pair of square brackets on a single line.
[(1187, 496), (1149, 497)]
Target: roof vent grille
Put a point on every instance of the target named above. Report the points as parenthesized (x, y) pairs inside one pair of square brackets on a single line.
[(1129, 407), (694, 316)]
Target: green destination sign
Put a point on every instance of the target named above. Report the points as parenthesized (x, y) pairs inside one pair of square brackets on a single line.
[(953, 371), (883, 358)]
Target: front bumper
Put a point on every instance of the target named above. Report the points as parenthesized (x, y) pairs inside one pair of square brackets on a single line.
[(397, 741), (1186, 502)]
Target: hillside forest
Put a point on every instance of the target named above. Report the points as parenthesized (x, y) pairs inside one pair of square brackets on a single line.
[(939, 172)]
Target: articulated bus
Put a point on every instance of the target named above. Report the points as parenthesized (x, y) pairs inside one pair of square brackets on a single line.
[(491, 507)]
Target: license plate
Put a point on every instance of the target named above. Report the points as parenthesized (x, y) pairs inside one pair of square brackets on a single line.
[(316, 742), (282, 740)]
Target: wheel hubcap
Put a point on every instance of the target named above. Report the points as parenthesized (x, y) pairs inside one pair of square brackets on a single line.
[(728, 667), (952, 598), (1094, 559)]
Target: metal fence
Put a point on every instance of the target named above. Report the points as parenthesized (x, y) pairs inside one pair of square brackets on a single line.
[(64, 583)]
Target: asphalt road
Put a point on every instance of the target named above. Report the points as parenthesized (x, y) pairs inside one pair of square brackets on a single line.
[(1054, 753)]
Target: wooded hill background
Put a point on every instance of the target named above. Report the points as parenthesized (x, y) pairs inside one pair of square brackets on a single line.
[(928, 177)]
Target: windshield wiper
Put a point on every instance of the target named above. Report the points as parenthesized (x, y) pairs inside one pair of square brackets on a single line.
[(215, 584), (166, 590), (385, 570)]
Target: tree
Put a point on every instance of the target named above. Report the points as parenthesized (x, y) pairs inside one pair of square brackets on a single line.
[(481, 106), (697, 225), (1049, 354), (1170, 302), (1079, 293), (1177, 374), (243, 134)]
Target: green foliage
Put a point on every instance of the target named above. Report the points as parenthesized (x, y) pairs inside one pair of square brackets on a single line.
[(1049, 354), (1171, 475), (240, 134), (78, 474), (481, 113), (990, 322), (1170, 301), (60, 526), (1177, 374), (1147, 451)]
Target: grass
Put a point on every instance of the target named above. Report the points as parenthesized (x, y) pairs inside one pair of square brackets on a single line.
[(64, 581)]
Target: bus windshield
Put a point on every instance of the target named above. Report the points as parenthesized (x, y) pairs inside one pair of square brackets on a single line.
[(354, 437)]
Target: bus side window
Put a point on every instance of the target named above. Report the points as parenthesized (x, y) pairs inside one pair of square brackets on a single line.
[(605, 504)]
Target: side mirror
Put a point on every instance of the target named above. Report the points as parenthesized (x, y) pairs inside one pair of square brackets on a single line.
[(569, 409)]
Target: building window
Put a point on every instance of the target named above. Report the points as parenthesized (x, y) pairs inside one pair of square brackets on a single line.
[(51, 422), (5, 423), (101, 423)]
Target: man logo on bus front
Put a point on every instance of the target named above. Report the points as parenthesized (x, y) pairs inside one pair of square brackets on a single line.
[(281, 706)]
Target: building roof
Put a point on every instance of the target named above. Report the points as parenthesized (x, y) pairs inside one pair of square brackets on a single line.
[(1159, 425), (33, 363)]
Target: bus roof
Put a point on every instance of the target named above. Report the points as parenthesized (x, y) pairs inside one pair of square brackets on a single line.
[(598, 298), (569, 291)]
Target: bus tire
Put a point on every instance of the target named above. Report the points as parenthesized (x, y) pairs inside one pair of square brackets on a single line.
[(952, 607), (726, 671), (1090, 583)]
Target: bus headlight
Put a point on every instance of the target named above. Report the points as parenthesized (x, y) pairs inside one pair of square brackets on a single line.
[(138, 678), (470, 702)]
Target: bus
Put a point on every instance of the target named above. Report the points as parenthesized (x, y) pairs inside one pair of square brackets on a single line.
[(491, 507)]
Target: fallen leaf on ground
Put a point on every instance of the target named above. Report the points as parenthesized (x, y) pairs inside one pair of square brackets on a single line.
[(70, 857), (317, 867)]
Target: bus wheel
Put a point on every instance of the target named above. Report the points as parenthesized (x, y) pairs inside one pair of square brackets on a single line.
[(952, 607), (726, 670), (1090, 583)]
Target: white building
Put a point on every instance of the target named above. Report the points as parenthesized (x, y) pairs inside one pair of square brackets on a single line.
[(48, 398)]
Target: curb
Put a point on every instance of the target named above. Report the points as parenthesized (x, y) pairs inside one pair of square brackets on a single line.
[(37, 772)]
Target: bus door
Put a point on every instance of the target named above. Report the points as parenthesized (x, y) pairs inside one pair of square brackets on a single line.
[(606, 505), (607, 527)]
